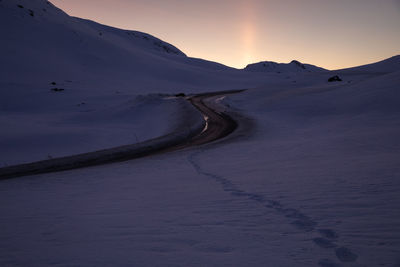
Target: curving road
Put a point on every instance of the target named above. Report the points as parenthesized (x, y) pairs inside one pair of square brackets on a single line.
[(217, 126)]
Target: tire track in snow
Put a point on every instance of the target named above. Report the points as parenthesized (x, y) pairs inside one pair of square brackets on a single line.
[(326, 238)]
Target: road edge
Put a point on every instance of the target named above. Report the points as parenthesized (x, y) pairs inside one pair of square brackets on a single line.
[(191, 125)]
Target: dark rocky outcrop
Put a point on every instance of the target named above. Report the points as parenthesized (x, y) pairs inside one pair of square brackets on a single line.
[(334, 79)]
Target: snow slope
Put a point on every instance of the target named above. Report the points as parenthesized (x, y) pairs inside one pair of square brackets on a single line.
[(326, 158), (382, 67), (96, 123)]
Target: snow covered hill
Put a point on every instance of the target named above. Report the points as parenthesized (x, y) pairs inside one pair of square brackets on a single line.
[(39, 40), (382, 67), (293, 66), (59, 75)]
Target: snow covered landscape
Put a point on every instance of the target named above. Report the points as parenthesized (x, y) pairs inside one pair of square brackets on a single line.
[(310, 176)]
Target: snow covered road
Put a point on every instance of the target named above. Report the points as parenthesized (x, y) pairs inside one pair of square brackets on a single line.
[(192, 131)]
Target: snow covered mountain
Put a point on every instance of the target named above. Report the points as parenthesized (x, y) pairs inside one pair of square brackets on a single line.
[(39, 39), (293, 66), (54, 36)]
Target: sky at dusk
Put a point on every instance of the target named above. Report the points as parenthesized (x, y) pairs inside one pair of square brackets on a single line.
[(331, 34)]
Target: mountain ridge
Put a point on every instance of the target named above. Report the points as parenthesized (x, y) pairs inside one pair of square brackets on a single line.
[(293, 66)]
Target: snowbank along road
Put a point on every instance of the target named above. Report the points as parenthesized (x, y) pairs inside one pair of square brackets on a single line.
[(216, 125)]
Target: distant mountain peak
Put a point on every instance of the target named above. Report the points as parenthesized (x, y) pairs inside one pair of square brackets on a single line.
[(299, 64), (293, 66)]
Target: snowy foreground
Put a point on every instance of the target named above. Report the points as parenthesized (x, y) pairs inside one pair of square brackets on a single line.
[(310, 178), (314, 181)]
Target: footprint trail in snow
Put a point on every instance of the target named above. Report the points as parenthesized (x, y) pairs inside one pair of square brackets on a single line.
[(327, 238)]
